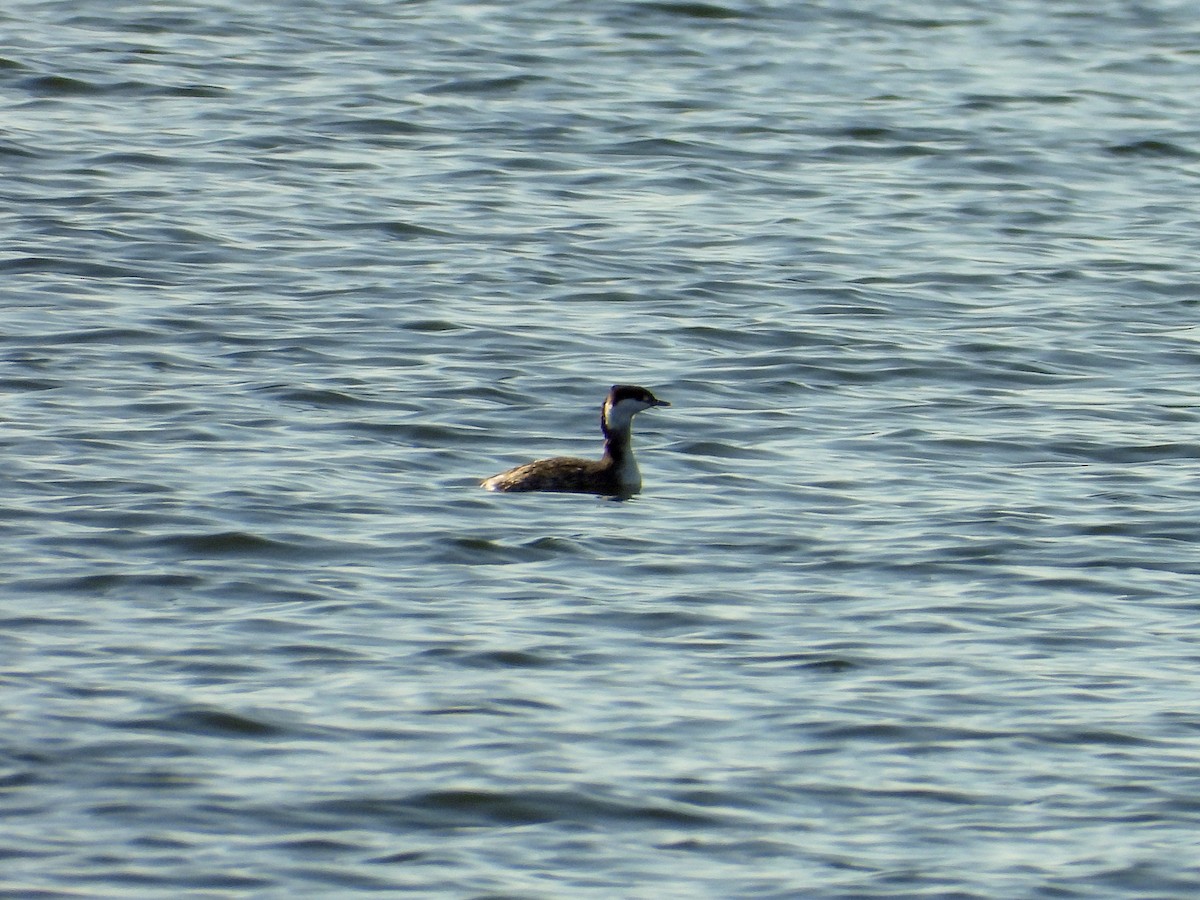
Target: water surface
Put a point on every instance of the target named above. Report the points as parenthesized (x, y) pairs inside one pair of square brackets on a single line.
[(908, 605)]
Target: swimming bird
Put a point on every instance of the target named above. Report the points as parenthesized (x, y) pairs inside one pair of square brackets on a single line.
[(615, 473)]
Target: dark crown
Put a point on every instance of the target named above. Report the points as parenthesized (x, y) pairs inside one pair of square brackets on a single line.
[(621, 392)]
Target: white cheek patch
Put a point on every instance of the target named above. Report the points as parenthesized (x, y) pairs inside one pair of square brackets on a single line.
[(621, 413)]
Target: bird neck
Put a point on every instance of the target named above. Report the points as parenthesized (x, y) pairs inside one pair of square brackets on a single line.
[(618, 443)]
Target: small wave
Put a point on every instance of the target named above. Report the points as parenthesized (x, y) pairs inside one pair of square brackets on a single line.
[(495, 659), (227, 543), (697, 10), (52, 265), (483, 85), (813, 662), (140, 160), (1124, 454), (320, 397), (1152, 148), (104, 582), (58, 86), (391, 228), (14, 150), (67, 87), (208, 721), (375, 126), (477, 551), (465, 808)]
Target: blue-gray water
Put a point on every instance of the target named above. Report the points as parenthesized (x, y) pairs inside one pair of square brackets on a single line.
[(910, 605)]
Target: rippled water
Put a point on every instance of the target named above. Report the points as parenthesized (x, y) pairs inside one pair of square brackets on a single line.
[(909, 604)]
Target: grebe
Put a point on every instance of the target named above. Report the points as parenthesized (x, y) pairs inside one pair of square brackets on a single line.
[(615, 473)]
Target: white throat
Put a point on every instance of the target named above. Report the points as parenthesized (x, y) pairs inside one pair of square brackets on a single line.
[(620, 415), (628, 474)]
